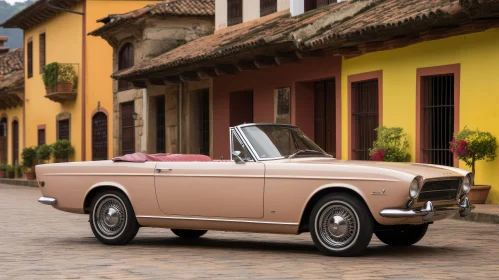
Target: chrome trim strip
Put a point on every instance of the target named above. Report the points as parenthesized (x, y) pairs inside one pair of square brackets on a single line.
[(217, 220), (98, 174), (329, 178), (211, 175), (47, 200)]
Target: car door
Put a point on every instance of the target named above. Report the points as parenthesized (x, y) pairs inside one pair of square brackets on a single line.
[(211, 189)]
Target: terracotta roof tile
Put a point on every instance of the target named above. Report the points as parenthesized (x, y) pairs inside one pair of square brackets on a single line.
[(332, 25), (165, 8), (11, 69)]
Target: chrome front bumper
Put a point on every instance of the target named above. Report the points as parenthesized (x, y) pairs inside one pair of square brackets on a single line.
[(428, 211), (47, 200)]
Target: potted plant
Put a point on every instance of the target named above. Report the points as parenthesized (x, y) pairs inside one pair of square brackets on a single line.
[(49, 77), (66, 81), (29, 157), (2, 170), (390, 145), (18, 171), (43, 153), (62, 150), (471, 146), (10, 171)]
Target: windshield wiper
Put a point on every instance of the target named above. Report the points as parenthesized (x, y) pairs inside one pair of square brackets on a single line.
[(306, 151)]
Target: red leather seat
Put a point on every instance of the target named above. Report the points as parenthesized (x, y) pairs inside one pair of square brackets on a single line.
[(141, 157)]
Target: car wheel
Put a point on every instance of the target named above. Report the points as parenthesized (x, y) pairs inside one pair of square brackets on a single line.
[(112, 218), (189, 233), (403, 236), (341, 225)]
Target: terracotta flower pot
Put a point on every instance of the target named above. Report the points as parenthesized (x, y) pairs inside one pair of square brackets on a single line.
[(65, 87), (30, 175), (2, 174), (478, 194)]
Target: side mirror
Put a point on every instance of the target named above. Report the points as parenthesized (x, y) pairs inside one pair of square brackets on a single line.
[(237, 158)]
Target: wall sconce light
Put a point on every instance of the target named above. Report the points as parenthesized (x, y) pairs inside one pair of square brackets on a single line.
[(134, 116)]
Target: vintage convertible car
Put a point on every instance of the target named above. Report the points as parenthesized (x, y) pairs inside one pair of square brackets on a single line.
[(277, 181)]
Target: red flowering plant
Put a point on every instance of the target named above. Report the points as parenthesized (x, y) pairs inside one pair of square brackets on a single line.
[(472, 145), (390, 145)]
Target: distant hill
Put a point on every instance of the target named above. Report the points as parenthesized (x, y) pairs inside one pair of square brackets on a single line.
[(15, 35)]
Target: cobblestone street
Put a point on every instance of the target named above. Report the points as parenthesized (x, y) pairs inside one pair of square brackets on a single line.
[(38, 242)]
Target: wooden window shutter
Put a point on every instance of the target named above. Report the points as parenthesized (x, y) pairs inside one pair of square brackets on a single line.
[(42, 51), (234, 12), (267, 7), (30, 59), (125, 60)]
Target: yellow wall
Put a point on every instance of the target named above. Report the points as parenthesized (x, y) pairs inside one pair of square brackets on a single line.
[(11, 114), (63, 45), (478, 55), (99, 57)]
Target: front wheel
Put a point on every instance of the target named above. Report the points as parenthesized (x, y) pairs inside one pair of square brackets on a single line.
[(403, 236), (112, 218), (341, 225), (189, 233)]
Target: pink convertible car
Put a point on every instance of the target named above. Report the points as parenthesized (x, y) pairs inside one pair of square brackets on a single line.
[(277, 181)]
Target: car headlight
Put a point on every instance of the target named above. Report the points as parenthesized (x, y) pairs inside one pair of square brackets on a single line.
[(467, 183), (414, 189)]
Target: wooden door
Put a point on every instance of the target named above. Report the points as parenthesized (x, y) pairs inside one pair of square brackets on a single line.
[(15, 142), (241, 107), (160, 124), (365, 117), (127, 128), (204, 121), (3, 141), (325, 115), (99, 136)]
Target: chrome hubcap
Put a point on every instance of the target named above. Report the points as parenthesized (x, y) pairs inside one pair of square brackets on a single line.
[(110, 216), (337, 225)]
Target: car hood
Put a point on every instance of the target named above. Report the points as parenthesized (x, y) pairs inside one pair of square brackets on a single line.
[(415, 169)]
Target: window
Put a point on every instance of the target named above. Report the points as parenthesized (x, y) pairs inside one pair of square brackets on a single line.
[(15, 142), (314, 4), (238, 146), (234, 12), (63, 129), (30, 59), (437, 101), (282, 105), (365, 117), (125, 60), (99, 136), (267, 7), (41, 136), (42, 51)]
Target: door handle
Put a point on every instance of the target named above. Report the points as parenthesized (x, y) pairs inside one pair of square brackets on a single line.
[(159, 170)]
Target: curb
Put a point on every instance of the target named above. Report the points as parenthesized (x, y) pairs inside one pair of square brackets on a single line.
[(478, 217), (17, 182)]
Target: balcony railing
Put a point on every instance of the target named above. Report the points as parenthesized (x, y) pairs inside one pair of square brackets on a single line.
[(61, 81)]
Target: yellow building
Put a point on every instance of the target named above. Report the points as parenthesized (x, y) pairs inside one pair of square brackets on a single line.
[(11, 101), (56, 32)]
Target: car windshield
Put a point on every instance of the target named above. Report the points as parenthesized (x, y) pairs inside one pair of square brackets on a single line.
[(278, 141)]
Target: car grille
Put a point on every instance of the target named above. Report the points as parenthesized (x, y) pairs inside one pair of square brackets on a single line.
[(439, 190)]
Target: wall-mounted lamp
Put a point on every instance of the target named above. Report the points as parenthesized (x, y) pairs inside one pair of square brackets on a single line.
[(134, 116)]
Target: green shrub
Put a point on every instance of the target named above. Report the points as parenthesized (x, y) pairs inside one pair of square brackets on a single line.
[(28, 156), (3, 167), (10, 171), (19, 171), (390, 145), (49, 76), (62, 149), (43, 153)]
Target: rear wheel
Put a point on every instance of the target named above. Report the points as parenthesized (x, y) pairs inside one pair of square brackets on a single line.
[(189, 233), (403, 236), (341, 225), (112, 218)]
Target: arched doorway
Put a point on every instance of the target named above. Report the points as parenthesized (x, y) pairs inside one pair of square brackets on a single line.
[(99, 136), (3, 140), (15, 142)]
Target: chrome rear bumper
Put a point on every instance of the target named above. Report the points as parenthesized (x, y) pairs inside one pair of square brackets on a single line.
[(47, 200), (428, 211)]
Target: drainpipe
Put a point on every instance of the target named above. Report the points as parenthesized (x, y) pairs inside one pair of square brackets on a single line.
[(179, 112), (145, 103), (83, 84)]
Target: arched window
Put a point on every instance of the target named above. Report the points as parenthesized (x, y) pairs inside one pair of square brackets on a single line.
[(15, 142), (99, 136), (125, 60), (3, 140)]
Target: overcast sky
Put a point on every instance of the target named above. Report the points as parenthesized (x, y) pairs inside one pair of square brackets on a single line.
[(13, 1)]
